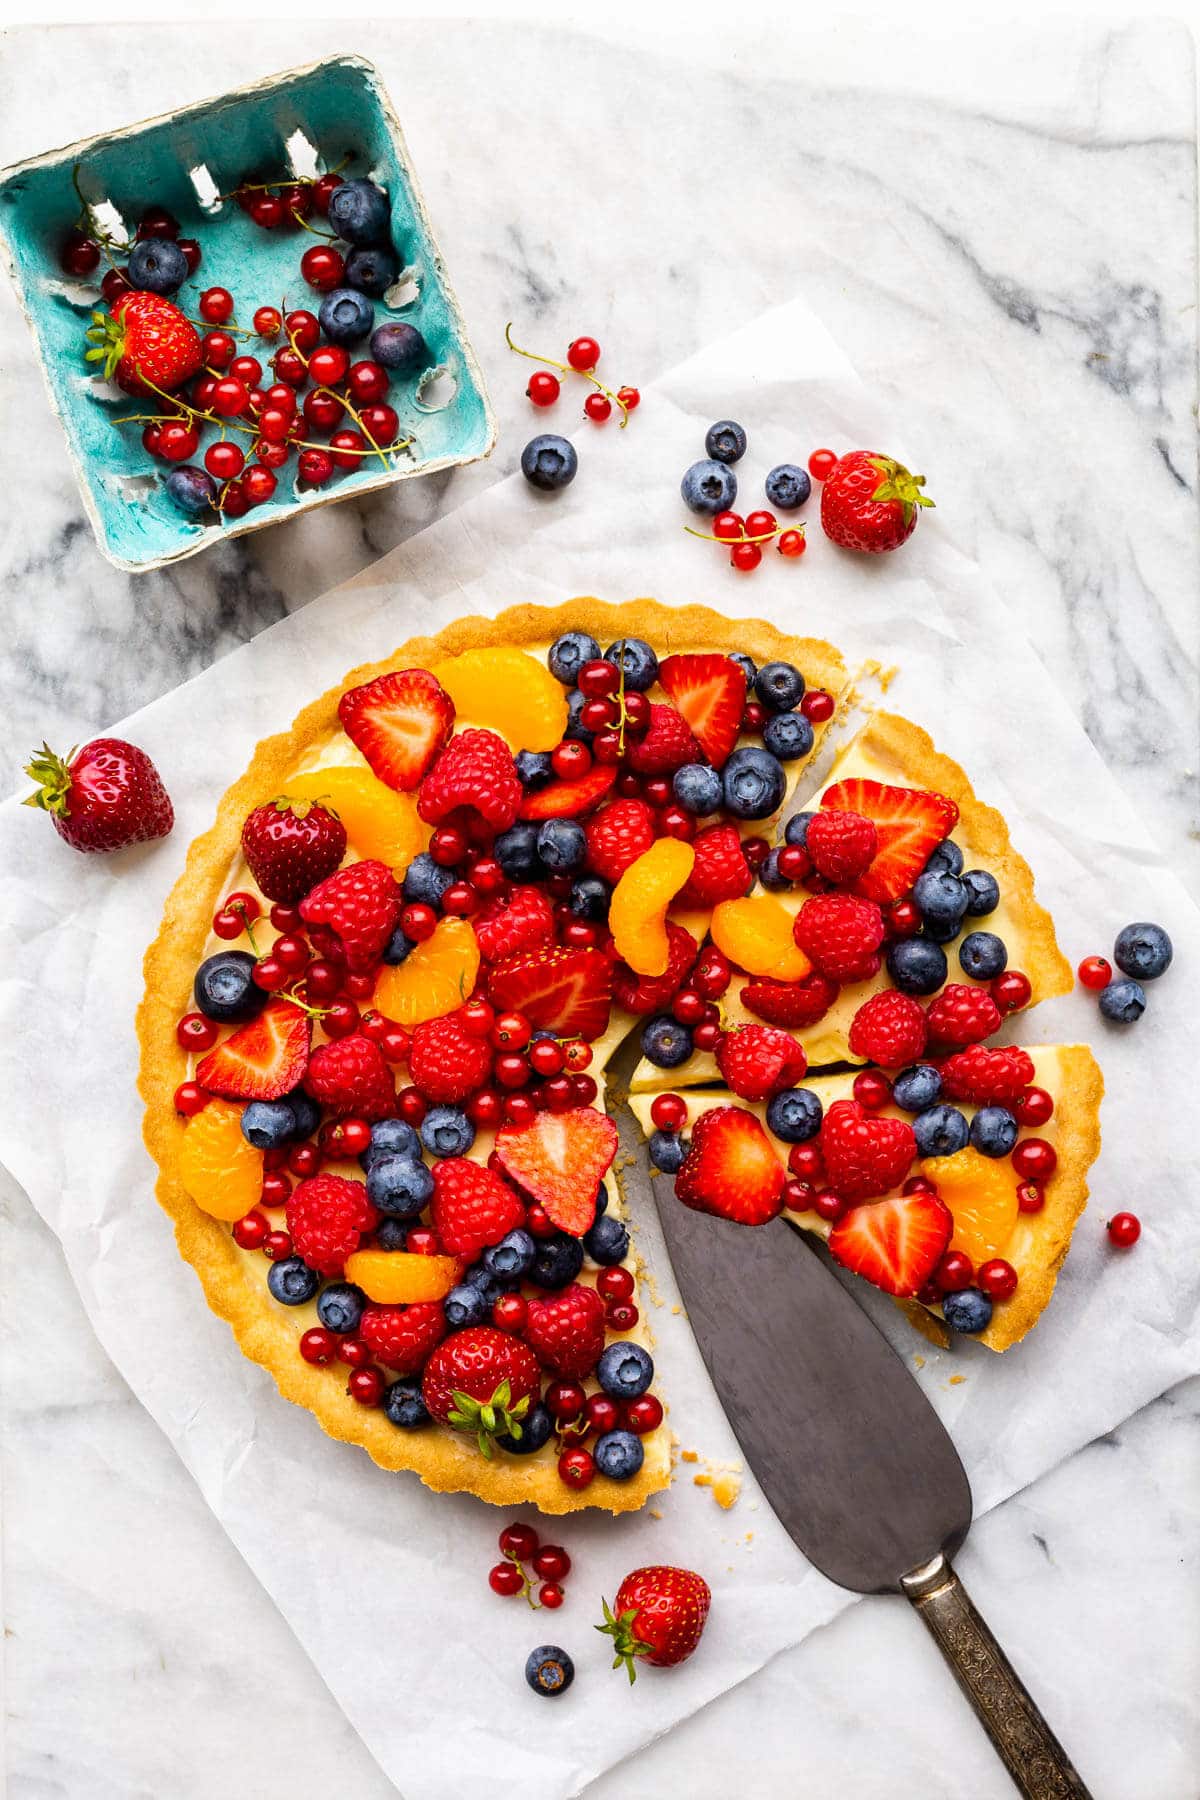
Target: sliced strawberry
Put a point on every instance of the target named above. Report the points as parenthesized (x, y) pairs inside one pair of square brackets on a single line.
[(710, 691), (731, 1169), (558, 989), (262, 1060), (909, 823), (399, 721), (896, 1244), (570, 799), (559, 1160)]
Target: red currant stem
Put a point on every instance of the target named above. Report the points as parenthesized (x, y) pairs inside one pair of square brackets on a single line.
[(350, 408), (526, 1584), (621, 699), (568, 370), (267, 187), (230, 325), (330, 237), (743, 538), (211, 418), (249, 930)]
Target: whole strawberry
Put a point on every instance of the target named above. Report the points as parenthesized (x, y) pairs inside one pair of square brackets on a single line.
[(566, 1330), (353, 913), (484, 1381), (326, 1217), (291, 845), (351, 1077), (658, 1618), (146, 342), (870, 502), (103, 797)]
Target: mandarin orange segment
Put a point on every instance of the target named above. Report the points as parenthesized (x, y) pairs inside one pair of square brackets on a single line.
[(756, 934), (400, 1278), (637, 913), (434, 979), (508, 691), (982, 1195), (380, 823), (220, 1170)]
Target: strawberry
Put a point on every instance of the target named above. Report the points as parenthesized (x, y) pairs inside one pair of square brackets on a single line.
[(909, 823), (472, 1206), (570, 799), (720, 871), (326, 1217), (730, 1168), (351, 1076), (146, 342), (841, 845), (482, 1380), (353, 913), (658, 1617), (896, 1244), (616, 836), (962, 1014), (870, 502), (984, 1077), (666, 746), (291, 845), (445, 1062), (653, 993), (888, 1029), (399, 721), (790, 1003), (559, 1160), (760, 1060), (558, 989), (513, 921), (262, 1060), (103, 797), (565, 1331), (403, 1337), (476, 769), (864, 1154), (710, 691), (840, 934)]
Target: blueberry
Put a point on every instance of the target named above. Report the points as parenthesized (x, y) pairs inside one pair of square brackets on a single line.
[(983, 892), (400, 348), (425, 881), (556, 1261), (224, 991), (697, 788), (346, 316), (940, 896), (709, 487), (403, 1404), (1143, 951), (794, 1115), (780, 686), (512, 1257), (549, 1670), (467, 1305), (157, 266), (516, 852), (549, 462), (619, 1455), (941, 931), (372, 270), (292, 1282), (638, 661), (305, 1111), (191, 490), (667, 1151), (589, 898), (788, 736), (576, 730), (665, 1042), (982, 955), (390, 1137), (359, 212), (601, 1200), (401, 1185), (1123, 1002), (625, 1370), (746, 664), (788, 487), (726, 440), (340, 1307), (607, 1241), (268, 1123), (993, 1131), (568, 654), (392, 1234), (447, 1131), (536, 1427), (916, 966), (947, 859), (917, 1088), (769, 874), (940, 1131), (753, 783), (398, 948), (796, 829), (535, 769), (967, 1310), (562, 845)]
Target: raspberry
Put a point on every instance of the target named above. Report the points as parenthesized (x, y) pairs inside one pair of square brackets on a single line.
[(403, 1337), (475, 769), (984, 1077), (472, 1207), (566, 1330), (651, 993), (760, 1060), (720, 871), (888, 1029), (962, 1015), (515, 921), (790, 1003), (666, 746), (865, 1154), (445, 1062), (617, 836), (354, 913), (840, 934), (841, 845), (351, 1077), (326, 1216)]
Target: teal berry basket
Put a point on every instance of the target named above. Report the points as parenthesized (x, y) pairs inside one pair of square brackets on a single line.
[(289, 126)]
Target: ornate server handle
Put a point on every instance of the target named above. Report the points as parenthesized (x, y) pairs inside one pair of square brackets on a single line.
[(1028, 1748)]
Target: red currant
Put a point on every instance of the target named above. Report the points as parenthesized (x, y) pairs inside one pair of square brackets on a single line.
[(195, 1032), (296, 200), (367, 382), (322, 192), (872, 1090), (1033, 1107), (233, 503), (728, 525), (323, 267), (903, 919), (289, 366), (519, 1540), (997, 1278), (551, 1562), (761, 524), (268, 321), (178, 442), (817, 706), (688, 1006), (511, 1031), (918, 1184), (828, 1205), (797, 1195), (565, 1400), (250, 1233), (270, 456), (318, 1346), (806, 1162), (506, 1579), (354, 1352), (267, 211), (1034, 1159), (303, 1161), (230, 397), (791, 543), (598, 407), (422, 1240), (303, 329), (275, 1188), (114, 284), (745, 557), (247, 369), (277, 1245), (224, 460), (622, 1315), (712, 973), (1095, 972), (644, 1414), (546, 1057), (550, 1595), (1030, 1198), (192, 253), (543, 389), (80, 254), (381, 424), (615, 1284), (707, 1035), (954, 1272), (601, 1413), (1124, 1229), (510, 1312), (216, 305), (341, 1019), (583, 354), (190, 1098), (820, 464), (584, 1090), (418, 921), (316, 467), (598, 678), (576, 1468), (328, 364), (347, 449), (1011, 991), (677, 822), (366, 1386), (629, 397), (259, 484), (669, 1112)]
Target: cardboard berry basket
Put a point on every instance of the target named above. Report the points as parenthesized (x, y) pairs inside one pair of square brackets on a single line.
[(329, 115)]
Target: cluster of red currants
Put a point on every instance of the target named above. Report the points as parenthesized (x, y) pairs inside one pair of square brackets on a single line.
[(550, 1563), (583, 353)]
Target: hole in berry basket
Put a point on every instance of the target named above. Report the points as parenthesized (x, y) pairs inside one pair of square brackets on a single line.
[(135, 487), (208, 194), (74, 293), (404, 291), (302, 155), (436, 389), (109, 223), (101, 388)]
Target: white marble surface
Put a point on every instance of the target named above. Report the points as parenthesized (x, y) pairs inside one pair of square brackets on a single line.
[(1002, 231)]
